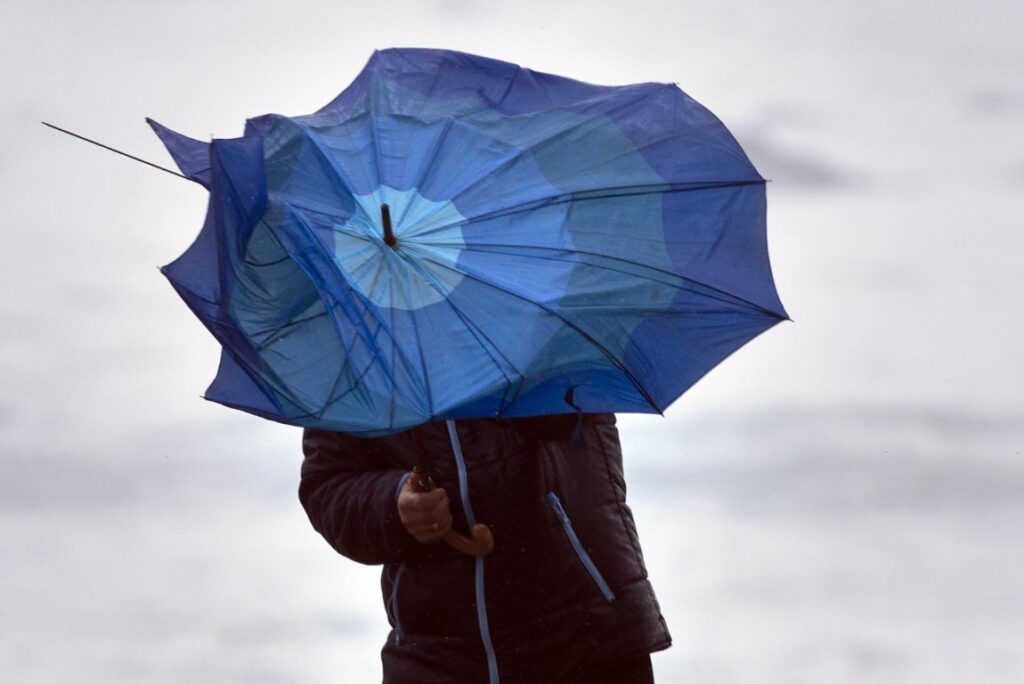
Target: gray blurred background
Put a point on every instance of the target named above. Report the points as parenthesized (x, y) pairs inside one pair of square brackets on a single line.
[(841, 501)]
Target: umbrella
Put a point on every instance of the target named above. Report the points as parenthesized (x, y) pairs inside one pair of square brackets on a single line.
[(454, 236)]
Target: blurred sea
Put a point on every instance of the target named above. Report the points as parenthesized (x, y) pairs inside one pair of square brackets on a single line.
[(839, 502)]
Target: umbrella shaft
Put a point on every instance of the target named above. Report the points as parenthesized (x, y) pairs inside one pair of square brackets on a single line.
[(389, 234)]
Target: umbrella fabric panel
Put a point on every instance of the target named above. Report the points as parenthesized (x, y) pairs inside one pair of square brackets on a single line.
[(280, 311), (192, 156), (717, 237), (235, 386), (204, 274)]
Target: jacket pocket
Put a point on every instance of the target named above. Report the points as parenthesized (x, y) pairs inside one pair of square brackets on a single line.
[(577, 546)]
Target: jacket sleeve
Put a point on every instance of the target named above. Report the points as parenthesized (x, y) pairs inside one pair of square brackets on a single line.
[(351, 497)]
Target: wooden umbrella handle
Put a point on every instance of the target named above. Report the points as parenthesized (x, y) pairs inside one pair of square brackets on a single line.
[(481, 544)]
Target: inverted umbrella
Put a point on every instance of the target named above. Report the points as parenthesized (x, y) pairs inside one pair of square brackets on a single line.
[(454, 236)]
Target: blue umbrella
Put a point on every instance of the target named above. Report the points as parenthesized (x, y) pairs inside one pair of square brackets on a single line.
[(455, 236)]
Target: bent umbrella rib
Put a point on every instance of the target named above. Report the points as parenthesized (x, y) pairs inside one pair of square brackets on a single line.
[(582, 333)]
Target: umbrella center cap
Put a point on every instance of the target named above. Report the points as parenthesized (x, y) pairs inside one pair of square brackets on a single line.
[(420, 268)]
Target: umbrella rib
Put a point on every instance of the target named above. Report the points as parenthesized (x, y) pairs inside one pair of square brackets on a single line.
[(474, 330), (508, 87), (329, 306), (362, 325), (366, 335), (337, 171), (215, 326), (374, 138), (672, 88), (603, 193), (259, 264), (337, 380), (517, 154), (372, 312), (274, 379), (732, 298), (428, 394), (591, 119), (582, 333), (360, 374), (562, 199), (635, 190), (269, 334), (332, 400), (425, 168)]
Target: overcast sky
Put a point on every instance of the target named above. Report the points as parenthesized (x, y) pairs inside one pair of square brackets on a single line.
[(892, 133)]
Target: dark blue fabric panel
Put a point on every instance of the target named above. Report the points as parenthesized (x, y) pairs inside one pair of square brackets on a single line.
[(233, 386), (192, 156), (717, 237)]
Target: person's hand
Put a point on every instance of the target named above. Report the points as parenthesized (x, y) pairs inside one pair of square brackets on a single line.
[(426, 515)]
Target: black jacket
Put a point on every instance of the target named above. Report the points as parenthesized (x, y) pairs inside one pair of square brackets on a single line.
[(565, 587)]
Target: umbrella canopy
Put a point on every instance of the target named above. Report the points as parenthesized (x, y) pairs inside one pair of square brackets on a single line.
[(454, 236)]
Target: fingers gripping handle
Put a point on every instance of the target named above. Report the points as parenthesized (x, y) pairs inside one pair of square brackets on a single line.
[(482, 541)]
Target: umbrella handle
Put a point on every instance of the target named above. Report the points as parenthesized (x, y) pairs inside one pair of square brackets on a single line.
[(482, 541), (481, 544)]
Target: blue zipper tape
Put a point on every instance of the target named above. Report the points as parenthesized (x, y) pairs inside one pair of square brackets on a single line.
[(481, 603), (577, 546)]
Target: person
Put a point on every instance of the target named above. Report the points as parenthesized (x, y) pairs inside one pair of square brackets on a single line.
[(562, 597)]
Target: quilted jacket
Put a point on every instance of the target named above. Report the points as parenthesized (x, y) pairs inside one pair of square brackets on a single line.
[(565, 587)]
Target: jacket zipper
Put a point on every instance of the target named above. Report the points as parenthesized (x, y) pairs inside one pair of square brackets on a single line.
[(577, 546), (481, 603)]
